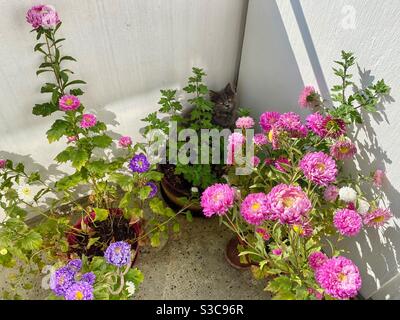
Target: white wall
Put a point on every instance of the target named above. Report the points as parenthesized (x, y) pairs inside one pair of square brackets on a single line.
[(127, 51), (289, 44)]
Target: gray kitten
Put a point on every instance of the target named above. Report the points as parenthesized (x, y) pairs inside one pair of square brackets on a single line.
[(226, 110)]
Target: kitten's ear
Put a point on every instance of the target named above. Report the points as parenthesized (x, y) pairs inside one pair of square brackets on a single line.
[(213, 95), (230, 89)]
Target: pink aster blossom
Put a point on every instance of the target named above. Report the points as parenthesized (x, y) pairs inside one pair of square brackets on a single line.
[(69, 103), (291, 123), (265, 235), (268, 119), (304, 229), (88, 121), (377, 218), (277, 252), (343, 150), (314, 123), (347, 222), (125, 142), (288, 203), (379, 176), (281, 164), (245, 123), (317, 259), (44, 16), (260, 139), (331, 193), (269, 162), (333, 128), (319, 168), (255, 161), (254, 208), (339, 277), (309, 98), (72, 139), (2, 163), (217, 199), (235, 143)]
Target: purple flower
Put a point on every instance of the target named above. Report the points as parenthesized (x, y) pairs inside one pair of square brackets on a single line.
[(154, 189), (80, 291), (75, 265), (89, 278), (61, 280), (118, 254), (347, 222), (139, 163)]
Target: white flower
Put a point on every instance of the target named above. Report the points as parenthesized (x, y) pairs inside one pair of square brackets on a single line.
[(347, 194), (3, 251), (25, 193), (131, 288), (363, 206), (195, 190)]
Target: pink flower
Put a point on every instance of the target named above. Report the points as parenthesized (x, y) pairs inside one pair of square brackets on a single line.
[(260, 139), (235, 143), (245, 123), (72, 139), (288, 203), (316, 260), (125, 142), (377, 218), (378, 178), (314, 123), (291, 123), (265, 235), (277, 252), (269, 162), (339, 277), (309, 98), (281, 164), (268, 119), (333, 128), (331, 193), (3, 163), (315, 293), (69, 103), (319, 168), (304, 229), (44, 16), (254, 208), (343, 150), (217, 199), (347, 222), (88, 121), (255, 161)]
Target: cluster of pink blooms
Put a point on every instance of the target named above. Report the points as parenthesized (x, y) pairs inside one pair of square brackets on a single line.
[(125, 142), (88, 121), (260, 139), (343, 150), (291, 123), (348, 222), (254, 208), (309, 98), (69, 103), (245, 123), (319, 168), (43, 16), (339, 277), (217, 200), (325, 127)]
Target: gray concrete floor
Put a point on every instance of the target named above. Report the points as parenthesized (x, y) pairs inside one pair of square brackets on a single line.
[(190, 267)]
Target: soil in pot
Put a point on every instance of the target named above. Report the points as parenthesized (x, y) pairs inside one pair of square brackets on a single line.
[(115, 228)]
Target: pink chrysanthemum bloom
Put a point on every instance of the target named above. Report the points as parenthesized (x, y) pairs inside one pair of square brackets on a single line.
[(314, 123), (255, 161), (339, 277), (331, 193), (343, 150), (72, 139), (44, 16), (88, 121), (277, 252), (245, 123), (235, 142), (268, 119), (309, 98), (281, 164), (317, 259), (333, 128), (379, 176), (254, 208), (273, 137), (260, 140), (69, 103), (263, 233), (125, 142), (347, 222), (288, 203), (304, 229), (377, 218), (319, 168), (217, 199), (2, 163), (291, 123)]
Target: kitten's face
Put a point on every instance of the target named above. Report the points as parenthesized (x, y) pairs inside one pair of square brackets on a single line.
[(225, 100)]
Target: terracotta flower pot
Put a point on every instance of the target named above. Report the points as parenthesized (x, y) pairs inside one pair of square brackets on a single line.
[(232, 255), (75, 239)]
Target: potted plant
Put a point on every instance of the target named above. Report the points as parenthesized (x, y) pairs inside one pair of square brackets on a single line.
[(298, 202)]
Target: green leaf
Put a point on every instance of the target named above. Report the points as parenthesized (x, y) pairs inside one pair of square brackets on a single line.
[(101, 214), (155, 240), (31, 241), (44, 109), (76, 92), (91, 242), (48, 88), (68, 58), (176, 227), (102, 141), (74, 82), (58, 129)]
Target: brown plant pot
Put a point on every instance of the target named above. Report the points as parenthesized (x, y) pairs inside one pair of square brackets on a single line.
[(136, 230), (232, 255)]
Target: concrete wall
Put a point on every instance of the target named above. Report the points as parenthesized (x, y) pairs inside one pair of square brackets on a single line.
[(127, 51), (292, 43)]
